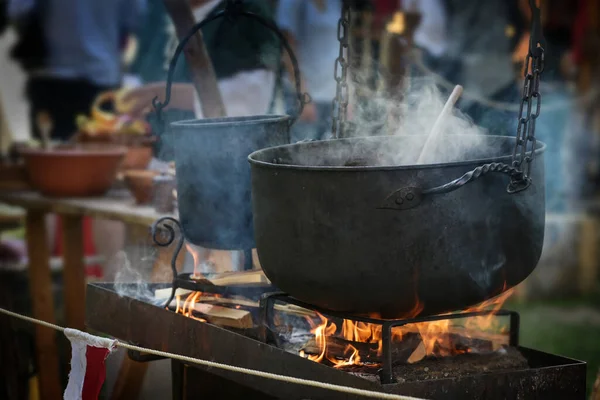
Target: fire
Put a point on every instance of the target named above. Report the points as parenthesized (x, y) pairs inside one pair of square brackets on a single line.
[(197, 262), (187, 307), (339, 345)]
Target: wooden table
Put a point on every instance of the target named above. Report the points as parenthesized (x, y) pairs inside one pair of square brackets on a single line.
[(115, 206)]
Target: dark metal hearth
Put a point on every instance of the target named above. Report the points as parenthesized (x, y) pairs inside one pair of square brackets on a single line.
[(147, 325)]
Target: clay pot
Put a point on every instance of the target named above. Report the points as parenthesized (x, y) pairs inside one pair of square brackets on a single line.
[(73, 171), (139, 148), (137, 157), (141, 183)]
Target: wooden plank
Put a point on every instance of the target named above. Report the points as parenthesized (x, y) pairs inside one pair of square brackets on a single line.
[(115, 206), (166, 292), (240, 278), (286, 308), (222, 316), (201, 68), (74, 271), (42, 304)]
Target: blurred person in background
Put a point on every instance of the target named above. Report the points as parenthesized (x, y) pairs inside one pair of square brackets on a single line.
[(244, 54), (310, 26), (483, 46), (71, 51), (471, 43)]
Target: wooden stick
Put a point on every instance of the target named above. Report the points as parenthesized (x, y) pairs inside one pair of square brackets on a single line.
[(240, 278), (223, 316), (203, 73), (232, 302), (436, 131)]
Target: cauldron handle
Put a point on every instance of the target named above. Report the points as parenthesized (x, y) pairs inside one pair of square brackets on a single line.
[(233, 8), (410, 197)]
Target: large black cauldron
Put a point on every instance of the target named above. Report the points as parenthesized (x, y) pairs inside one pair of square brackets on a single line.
[(340, 225)]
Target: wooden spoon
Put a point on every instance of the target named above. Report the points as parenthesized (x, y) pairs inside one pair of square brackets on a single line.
[(436, 131)]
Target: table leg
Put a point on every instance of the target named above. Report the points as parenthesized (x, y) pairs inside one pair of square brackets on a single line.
[(74, 271), (40, 282)]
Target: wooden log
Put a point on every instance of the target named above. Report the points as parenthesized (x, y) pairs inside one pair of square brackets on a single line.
[(74, 271), (240, 278), (222, 316), (457, 342), (368, 352), (233, 302), (202, 71), (338, 348), (228, 279), (42, 304), (418, 354), (166, 292)]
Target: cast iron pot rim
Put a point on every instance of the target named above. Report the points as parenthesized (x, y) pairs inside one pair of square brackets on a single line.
[(228, 121), (541, 147)]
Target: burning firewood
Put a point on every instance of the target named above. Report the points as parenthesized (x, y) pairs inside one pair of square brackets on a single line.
[(227, 279), (240, 278), (217, 315), (160, 294), (241, 303), (369, 352)]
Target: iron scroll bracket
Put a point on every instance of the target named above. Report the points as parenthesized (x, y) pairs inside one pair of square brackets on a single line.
[(232, 10), (410, 197), (163, 235)]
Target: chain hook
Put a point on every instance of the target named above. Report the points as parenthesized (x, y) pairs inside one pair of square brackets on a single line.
[(537, 43), (525, 144), (339, 104)]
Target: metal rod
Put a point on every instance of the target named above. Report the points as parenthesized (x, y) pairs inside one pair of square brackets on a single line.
[(387, 375), (515, 326)]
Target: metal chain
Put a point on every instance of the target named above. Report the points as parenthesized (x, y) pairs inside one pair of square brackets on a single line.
[(524, 151), (339, 106)]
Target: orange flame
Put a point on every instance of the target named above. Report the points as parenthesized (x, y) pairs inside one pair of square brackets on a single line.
[(187, 308), (435, 335), (197, 262)]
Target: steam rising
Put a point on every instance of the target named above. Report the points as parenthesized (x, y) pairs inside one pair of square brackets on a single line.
[(418, 108), (130, 281)]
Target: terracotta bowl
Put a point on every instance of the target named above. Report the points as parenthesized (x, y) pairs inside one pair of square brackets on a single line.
[(137, 157), (140, 183), (73, 171), (139, 148)]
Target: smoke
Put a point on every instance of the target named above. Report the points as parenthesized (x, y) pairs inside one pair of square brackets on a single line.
[(387, 116), (133, 281)]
